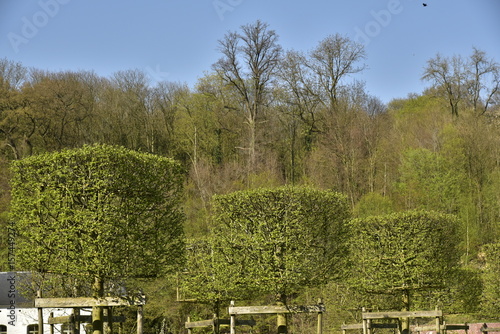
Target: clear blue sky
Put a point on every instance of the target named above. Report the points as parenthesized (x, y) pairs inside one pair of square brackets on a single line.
[(176, 40)]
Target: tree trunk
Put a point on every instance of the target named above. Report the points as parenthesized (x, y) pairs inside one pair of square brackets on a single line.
[(281, 318), (40, 313), (97, 313), (405, 322), (216, 317)]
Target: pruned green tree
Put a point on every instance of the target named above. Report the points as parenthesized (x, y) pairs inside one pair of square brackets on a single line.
[(403, 253), (207, 278), (99, 212), (278, 241)]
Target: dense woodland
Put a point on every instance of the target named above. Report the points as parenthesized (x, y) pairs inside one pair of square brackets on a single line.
[(268, 117)]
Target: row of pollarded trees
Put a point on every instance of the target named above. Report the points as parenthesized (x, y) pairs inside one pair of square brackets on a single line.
[(106, 214), (282, 241)]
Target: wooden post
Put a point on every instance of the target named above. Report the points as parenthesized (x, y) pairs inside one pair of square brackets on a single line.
[(105, 320), (281, 321), (51, 325), (320, 318), (190, 331), (139, 319), (232, 321), (215, 325), (110, 319), (76, 322), (365, 322), (484, 328), (438, 323), (40, 313)]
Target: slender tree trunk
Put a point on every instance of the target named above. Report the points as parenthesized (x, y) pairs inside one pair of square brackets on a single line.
[(40, 313), (97, 313), (405, 322), (216, 317), (281, 318)]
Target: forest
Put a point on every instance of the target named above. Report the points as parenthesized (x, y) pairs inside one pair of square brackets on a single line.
[(268, 118)]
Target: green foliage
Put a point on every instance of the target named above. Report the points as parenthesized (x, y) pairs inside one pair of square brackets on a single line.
[(406, 251), (280, 240), (373, 204), (100, 210), (429, 181), (466, 287), (490, 305), (206, 278)]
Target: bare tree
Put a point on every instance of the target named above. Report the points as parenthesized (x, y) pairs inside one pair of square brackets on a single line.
[(12, 73), (481, 70), (474, 81), (248, 65), (335, 58), (449, 76)]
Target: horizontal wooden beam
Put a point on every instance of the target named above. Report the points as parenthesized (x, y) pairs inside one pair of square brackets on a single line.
[(456, 327), (87, 302), (234, 310), (404, 314), (201, 323), (226, 322), (351, 326), (80, 318), (371, 325), (239, 322), (428, 328)]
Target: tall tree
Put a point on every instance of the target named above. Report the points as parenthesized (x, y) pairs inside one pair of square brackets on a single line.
[(449, 76), (59, 108), (331, 62), (472, 82), (483, 82), (248, 65)]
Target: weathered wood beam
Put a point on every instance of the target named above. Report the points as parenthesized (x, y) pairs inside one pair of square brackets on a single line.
[(371, 325), (87, 302), (351, 326), (456, 327), (201, 323), (404, 314), (275, 309), (428, 328), (79, 318), (223, 322)]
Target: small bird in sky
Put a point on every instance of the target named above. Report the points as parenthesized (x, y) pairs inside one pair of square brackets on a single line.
[(424, 4)]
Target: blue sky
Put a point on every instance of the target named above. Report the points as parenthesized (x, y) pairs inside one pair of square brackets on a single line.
[(176, 40)]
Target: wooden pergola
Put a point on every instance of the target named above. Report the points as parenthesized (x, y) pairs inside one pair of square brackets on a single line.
[(85, 302)]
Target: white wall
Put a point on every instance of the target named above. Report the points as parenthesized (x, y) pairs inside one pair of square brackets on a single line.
[(28, 316)]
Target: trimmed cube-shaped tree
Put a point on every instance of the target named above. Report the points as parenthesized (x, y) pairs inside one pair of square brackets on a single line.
[(98, 212)]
